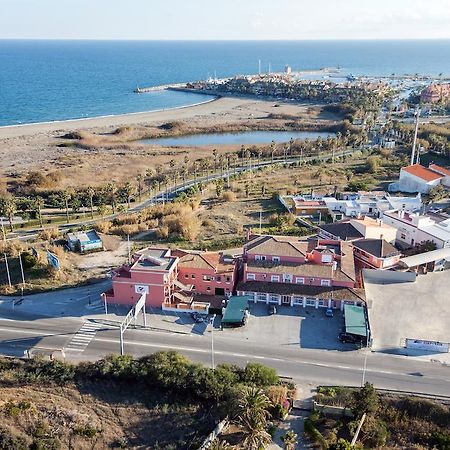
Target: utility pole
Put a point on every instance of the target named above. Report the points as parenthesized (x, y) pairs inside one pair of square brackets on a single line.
[(415, 136), (212, 342), (21, 271), (129, 249), (7, 270)]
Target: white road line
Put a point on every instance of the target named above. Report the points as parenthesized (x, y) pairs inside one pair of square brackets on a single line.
[(83, 337)]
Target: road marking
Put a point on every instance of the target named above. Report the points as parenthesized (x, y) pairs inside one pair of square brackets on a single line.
[(83, 337)]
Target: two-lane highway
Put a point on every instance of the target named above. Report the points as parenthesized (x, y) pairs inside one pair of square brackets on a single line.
[(303, 365)]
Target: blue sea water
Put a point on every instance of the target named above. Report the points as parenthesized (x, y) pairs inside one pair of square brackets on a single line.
[(58, 80)]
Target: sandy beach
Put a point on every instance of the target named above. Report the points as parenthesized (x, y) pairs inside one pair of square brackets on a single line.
[(40, 146)]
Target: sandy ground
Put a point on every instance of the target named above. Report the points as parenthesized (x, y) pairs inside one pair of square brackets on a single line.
[(35, 146)]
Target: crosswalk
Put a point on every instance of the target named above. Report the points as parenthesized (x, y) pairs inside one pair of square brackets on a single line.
[(83, 337)]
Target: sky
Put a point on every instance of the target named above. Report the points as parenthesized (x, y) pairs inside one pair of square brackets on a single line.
[(225, 19)]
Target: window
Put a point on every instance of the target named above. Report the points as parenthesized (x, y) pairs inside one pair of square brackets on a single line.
[(325, 282), (193, 276), (251, 276), (287, 278), (321, 303), (227, 279), (310, 302), (186, 275), (218, 278), (275, 278), (300, 280), (208, 278), (260, 258), (208, 288), (403, 236), (275, 258)]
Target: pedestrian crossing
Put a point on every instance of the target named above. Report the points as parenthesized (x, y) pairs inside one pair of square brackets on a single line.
[(83, 337)]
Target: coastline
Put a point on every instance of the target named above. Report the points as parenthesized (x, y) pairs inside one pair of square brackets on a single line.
[(26, 129)]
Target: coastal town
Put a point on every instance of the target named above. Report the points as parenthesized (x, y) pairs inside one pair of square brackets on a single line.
[(225, 227)]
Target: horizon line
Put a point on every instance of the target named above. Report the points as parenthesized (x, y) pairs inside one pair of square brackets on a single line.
[(221, 40)]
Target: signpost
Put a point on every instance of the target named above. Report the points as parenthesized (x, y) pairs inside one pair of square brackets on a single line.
[(53, 260), (132, 315)]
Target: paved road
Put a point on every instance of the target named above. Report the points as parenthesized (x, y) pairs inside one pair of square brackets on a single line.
[(303, 365)]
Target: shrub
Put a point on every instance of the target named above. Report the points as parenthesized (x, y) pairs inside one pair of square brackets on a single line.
[(260, 375), (28, 260), (440, 440), (49, 234), (86, 431), (56, 371), (365, 400), (103, 226), (10, 441), (229, 196), (14, 409), (117, 366)]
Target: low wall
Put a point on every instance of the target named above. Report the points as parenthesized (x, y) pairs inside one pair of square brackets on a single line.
[(388, 276), (334, 411)]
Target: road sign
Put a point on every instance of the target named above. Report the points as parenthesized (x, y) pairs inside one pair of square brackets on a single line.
[(53, 260), (139, 305)]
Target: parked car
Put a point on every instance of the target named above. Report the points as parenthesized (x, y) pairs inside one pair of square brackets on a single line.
[(348, 338), (329, 312), (272, 309)]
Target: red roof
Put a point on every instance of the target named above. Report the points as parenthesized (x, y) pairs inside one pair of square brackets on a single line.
[(440, 169), (422, 172)]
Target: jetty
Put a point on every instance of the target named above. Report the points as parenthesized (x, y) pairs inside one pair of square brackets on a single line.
[(162, 87)]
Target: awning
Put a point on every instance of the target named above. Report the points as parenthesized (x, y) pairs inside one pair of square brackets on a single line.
[(235, 310), (425, 258), (355, 320)]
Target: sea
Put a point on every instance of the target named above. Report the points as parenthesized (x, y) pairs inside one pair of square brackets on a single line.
[(42, 81)]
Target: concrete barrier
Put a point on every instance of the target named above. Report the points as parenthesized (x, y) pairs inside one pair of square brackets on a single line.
[(388, 276)]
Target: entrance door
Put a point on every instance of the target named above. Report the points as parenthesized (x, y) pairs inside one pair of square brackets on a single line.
[(219, 291), (286, 299)]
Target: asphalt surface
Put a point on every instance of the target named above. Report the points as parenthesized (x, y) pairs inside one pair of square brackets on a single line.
[(303, 365)]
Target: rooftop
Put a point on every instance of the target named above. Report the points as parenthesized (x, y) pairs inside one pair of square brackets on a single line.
[(277, 246), (355, 320), (342, 230), (422, 172), (205, 260), (427, 257), (153, 259), (84, 236), (439, 169), (323, 292), (377, 247)]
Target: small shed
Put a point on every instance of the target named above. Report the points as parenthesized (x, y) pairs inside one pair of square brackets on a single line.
[(236, 312), (84, 241), (356, 322)]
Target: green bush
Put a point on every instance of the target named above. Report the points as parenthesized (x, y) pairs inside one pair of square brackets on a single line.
[(10, 441), (259, 375), (28, 260), (86, 431), (117, 366), (440, 440), (57, 371), (14, 409), (43, 438)]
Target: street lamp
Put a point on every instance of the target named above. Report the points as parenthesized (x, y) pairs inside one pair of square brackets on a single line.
[(212, 341)]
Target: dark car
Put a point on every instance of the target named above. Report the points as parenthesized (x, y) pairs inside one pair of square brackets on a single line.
[(329, 312), (348, 338), (272, 310)]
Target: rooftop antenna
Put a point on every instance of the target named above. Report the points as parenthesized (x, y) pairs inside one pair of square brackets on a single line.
[(417, 113)]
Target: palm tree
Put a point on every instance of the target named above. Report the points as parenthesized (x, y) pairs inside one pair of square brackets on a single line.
[(38, 204), (66, 195), (139, 179), (220, 445), (290, 440), (8, 208), (128, 190), (111, 195), (253, 404), (90, 191), (273, 149), (214, 152)]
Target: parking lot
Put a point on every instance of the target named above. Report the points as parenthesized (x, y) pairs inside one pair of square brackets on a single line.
[(294, 326), (419, 310)]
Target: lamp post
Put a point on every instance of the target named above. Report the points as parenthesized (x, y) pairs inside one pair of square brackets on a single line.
[(212, 341)]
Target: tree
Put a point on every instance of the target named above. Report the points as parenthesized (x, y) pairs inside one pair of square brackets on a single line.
[(111, 195), (290, 440), (128, 190), (66, 195), (8, 208), (253, 406), (38, 204), (365, 400), (220, 445), (437, 193), (341, 444), (90, 191), (219, 188), (140, 180)]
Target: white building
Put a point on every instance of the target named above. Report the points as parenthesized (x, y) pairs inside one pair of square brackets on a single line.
[(413, 229), (417, 178)]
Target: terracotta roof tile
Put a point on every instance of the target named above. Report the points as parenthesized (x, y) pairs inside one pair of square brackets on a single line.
[(422, 172)]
